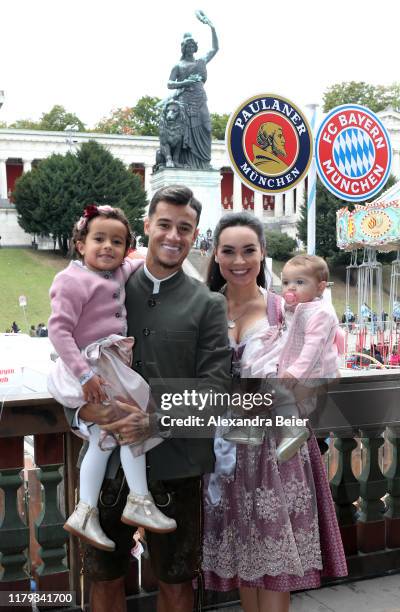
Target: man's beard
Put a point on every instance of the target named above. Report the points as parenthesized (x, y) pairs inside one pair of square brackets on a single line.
[(166, 266), (277, 151)]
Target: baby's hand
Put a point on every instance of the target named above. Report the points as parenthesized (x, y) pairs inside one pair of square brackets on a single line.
[(93, 391)]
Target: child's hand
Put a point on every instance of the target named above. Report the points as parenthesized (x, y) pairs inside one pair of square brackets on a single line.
[(288, 380), (93, 390)]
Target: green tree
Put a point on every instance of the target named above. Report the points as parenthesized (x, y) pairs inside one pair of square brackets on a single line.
[(57, 119), (325, 223), (47, 198), (119, 122), (104, 179), (146, 116), (25, 124), (279, 245), (52, 196), (375, 97), (218, 125), (140, 120)]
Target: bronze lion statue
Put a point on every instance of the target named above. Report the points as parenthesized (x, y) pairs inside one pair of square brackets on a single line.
[(172, 129)]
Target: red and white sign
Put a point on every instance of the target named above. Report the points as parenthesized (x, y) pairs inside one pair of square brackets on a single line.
[(10, 378), (353, 153)]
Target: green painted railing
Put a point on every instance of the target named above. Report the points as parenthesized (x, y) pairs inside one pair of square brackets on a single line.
[(363, 464)]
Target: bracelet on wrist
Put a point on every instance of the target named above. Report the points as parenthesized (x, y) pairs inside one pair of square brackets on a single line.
[(86, 377)]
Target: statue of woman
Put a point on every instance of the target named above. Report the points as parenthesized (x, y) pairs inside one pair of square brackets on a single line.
[(187, 78)]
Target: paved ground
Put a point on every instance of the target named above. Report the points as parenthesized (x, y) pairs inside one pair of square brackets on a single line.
[(376, 595)]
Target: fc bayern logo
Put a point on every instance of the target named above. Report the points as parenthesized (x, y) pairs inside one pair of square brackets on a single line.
[(269, 143), (353, 153)]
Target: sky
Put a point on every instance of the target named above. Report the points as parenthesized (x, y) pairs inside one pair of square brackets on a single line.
[(92, 56)]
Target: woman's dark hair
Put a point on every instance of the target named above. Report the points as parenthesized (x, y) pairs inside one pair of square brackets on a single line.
[(81, 227), (215, 280)]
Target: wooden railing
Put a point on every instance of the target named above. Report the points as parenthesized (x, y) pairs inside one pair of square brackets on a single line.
[(364, 469)]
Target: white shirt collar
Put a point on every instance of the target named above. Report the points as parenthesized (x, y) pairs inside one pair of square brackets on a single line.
[(156, 281)]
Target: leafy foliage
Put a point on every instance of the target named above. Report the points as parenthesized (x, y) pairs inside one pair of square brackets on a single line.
[(56, 120), (326, 206), (141, 120), (105, 180), (25, 124), (147, 116), (52, 196), (119, 122), (279, 245), (218, 125), (375, 97)]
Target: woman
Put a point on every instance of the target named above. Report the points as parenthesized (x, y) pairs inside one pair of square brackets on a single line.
[(266, 533), (187, 78)]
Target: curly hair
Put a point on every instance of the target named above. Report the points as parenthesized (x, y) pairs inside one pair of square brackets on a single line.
[(82, 226)]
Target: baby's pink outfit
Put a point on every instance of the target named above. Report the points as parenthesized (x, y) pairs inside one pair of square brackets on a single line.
[(314, 342)]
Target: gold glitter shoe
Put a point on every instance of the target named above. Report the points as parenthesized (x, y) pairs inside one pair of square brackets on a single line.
[(141, 511), (84, 524), (251, 435), (293, 440)]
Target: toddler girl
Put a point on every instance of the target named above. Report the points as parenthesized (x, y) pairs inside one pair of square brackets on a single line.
[(87, 328), (305, 348), (313, 342)]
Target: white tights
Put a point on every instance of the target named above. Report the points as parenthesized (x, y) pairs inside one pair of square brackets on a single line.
[(94, 465)]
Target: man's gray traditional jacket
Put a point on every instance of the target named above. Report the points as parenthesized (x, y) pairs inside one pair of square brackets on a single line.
[(180, 333)]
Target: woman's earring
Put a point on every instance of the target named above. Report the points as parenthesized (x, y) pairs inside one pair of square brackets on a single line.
[(216, 259)]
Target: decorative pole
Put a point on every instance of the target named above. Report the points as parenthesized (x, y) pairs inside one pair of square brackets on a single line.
[(312, 188)]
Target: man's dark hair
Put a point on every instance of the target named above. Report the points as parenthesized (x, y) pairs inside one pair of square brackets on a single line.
[(178, 195)]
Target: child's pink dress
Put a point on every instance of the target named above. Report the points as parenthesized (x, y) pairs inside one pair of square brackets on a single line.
[(88, 328)]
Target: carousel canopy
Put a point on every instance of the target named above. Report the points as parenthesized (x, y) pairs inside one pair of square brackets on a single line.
[(375, 225)]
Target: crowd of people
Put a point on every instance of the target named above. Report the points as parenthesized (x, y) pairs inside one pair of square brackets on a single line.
[(242, 509), (35, 332)]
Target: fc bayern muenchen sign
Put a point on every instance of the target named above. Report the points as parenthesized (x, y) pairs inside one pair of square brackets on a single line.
[(269, 143), (353, 153)]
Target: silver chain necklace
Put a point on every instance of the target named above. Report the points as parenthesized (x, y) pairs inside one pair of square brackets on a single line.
[(232, 322)]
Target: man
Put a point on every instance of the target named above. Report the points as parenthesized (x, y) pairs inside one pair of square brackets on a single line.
[(181, 332), (271, 144)]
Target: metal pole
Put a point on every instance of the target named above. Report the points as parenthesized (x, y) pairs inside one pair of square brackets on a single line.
[(312, 188), (26, 320)]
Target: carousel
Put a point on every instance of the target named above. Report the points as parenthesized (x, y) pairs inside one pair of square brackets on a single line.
[(372, 333)]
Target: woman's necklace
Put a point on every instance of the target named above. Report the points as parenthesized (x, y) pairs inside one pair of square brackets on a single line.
[(232, 321)]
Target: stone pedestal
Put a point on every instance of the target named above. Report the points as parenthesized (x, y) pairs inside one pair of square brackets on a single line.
[(206, 186)]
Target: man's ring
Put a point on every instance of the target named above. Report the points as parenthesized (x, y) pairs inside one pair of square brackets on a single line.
[(120, 437)]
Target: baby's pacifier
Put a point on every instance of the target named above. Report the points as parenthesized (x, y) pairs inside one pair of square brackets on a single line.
[(290, 298)]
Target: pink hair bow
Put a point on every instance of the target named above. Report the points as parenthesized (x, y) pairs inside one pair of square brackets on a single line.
[(92, 210)]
